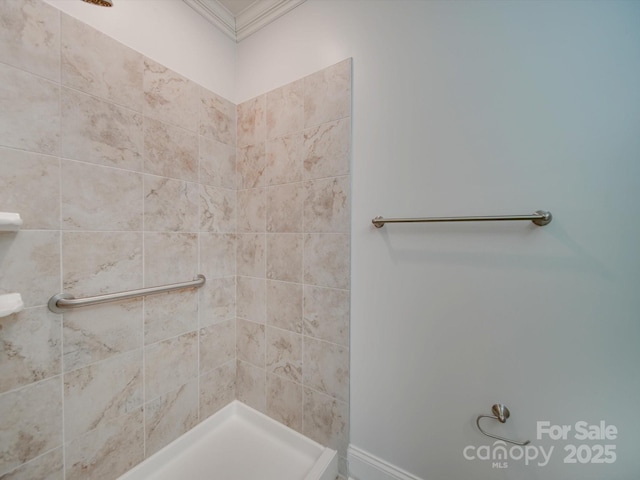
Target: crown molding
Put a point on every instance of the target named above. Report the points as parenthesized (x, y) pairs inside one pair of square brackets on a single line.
[(216, 14), (260, 14), (249, 21)]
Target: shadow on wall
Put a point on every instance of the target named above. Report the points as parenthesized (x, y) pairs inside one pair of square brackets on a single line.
[(493, 245)]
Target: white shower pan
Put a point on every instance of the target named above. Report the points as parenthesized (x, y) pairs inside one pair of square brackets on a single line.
[(239, 443)]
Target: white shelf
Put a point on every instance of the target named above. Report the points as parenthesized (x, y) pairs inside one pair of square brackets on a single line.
[(10, 303), (10, 222)]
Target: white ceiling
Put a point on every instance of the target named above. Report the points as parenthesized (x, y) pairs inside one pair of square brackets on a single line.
[(240, 18)]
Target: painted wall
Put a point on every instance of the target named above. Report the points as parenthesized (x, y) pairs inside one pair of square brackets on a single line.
[(463, 108), (168, 31)]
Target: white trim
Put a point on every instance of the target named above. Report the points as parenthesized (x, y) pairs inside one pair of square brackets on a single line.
[(260, 14), (365, 466), (249, 21), (217, 14)]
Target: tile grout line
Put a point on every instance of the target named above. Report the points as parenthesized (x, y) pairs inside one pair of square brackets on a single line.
[(304, 264), (199, 253), (263, 192), (235, 277), (60, 240), (144, 300)]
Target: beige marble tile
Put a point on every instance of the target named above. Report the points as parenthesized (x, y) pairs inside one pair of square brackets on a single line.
[(30, 112), (169, 416), (170, 258), (326, 368), (97, 131), (250, 386), (284, 208), (217, 389), (30, 347), (326, 314), (285, 109), (217, 163), (30, 422), (97, 64), (327, 205), (284, 305), (217, 117), (252, 122), (30, 184), (251, 165), (170, 151), (284, 401), (170, 364), (218, 207), (284, 354), (251, 299), (252, 210), (217, 345), (326, 258), (327, 94), (100, 198), (327, 150), (217, 300), (108, 451), (170, 97), (169, 314), (284, 159), (49, 466), (251, 342), (251, 255), (30, 265), (170, 205), (30, 37), (100, 392), (100, 332), (284, 257), (326, 421), (95, 263), (217, 255)]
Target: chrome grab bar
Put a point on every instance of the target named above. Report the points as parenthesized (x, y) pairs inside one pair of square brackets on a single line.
[(63, 301), (540, 218), (500, 413)]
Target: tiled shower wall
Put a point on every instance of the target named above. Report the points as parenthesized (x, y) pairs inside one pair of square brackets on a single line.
[(293, 255), (125, 175)]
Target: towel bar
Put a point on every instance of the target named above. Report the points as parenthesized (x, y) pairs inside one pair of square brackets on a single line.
[(540, 218)]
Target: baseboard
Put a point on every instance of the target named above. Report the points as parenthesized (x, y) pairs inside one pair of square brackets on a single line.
[(365, 466)]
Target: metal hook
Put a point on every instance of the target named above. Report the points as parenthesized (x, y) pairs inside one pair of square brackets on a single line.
[(500, 413)]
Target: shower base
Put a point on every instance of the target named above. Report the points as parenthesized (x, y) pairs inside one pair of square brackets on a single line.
[(239, 443)]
